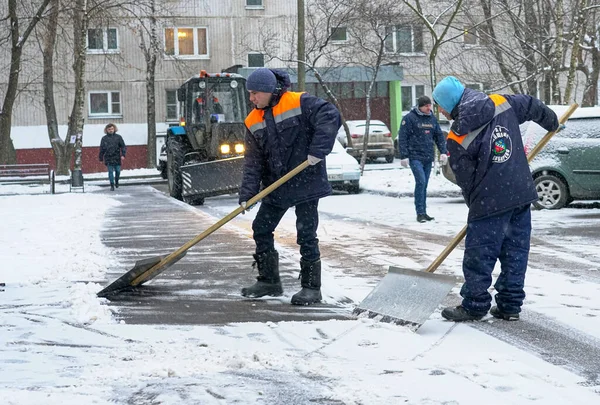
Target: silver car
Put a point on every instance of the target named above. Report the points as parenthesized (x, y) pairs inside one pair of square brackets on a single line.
[(380, 143)]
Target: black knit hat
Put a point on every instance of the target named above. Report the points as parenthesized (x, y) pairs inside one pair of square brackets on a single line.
[(262, 80), (423, 100)]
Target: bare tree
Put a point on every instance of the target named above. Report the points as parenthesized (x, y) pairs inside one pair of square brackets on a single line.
[(445, 18), (369, 35), (322, 20), (147, 31), (8, 154), (62, 150)]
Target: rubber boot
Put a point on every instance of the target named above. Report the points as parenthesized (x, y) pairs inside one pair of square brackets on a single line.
[(310, 280), (267, 282)]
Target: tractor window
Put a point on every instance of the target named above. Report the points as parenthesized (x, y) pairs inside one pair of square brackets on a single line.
[(225, 103)]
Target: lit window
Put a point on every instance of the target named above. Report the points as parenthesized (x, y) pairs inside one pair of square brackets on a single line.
[(104, 103), (102, 40), (256, 60), (187, 42), (404, 39)]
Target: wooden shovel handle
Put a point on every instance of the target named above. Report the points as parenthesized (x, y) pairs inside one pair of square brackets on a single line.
[(456, 240), (175, 255)]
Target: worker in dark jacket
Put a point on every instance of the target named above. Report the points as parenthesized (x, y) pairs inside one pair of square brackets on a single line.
[(284, 130), (489, 161), (112, 153), (418, 132)]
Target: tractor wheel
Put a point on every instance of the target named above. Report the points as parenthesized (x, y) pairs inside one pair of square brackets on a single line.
[(177, 147)]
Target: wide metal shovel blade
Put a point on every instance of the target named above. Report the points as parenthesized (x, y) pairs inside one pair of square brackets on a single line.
[(127, 280), (407, 297)]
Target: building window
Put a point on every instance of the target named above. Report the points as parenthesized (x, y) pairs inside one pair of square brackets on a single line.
[(256, 60), (102, 40), (172, 106), (404, 39), (186, 42), (339, 34), (254, 3), (474, 86), (410, 94), (104, 103), (476, 36)]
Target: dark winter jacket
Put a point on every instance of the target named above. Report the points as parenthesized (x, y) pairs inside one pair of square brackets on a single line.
[(112, 147), (279, 138), (486, 150), (417, 134)]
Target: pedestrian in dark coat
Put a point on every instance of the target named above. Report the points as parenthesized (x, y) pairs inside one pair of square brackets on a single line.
[(112, 153), (488, 158), (284, 130), (418, 132)]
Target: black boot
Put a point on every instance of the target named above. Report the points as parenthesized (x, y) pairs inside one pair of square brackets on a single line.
[(310, 279), (267, 282), (112, 187), (496, 313), (116, 180), (459, 314)]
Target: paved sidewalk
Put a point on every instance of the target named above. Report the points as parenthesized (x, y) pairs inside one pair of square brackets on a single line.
[(204, 286)]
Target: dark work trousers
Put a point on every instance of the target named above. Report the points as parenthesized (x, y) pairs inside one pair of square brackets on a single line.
[(421, 170), (505, 237), (307, 221)]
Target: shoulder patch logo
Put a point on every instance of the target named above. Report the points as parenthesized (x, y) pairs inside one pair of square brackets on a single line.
[(403, 122), (501, 145)]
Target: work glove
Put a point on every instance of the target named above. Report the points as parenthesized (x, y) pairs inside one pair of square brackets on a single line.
[(443, 159), (561, 127), (404, 162), (244, 204), (313, 160)]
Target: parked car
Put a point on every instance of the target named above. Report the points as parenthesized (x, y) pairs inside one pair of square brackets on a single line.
[(568, 167), (380, 140), (343, 171)]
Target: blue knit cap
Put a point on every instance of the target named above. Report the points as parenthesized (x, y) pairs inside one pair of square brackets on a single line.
[(262, 80), (448, 92)]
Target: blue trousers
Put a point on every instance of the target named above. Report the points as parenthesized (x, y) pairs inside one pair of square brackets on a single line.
[(505, 237), (116, 169), (421, 170), (307, 222)]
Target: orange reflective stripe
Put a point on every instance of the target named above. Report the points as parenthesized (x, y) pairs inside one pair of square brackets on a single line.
[(497, 99), (456, 138), (289, 101), (255, 117)]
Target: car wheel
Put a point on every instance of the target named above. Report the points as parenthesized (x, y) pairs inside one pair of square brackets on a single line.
[(354, 188), (552, 192), (389, 159)]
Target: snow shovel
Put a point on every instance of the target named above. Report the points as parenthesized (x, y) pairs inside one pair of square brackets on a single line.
[(409, 297), (146, 269)]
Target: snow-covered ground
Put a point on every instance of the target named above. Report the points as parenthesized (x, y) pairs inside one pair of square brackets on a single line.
[(60, 344)]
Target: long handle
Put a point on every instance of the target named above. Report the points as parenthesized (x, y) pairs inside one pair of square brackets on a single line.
[(456, 240), (175, 255)]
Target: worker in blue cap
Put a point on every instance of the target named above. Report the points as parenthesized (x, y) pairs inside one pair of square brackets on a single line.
[(489, 161)]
